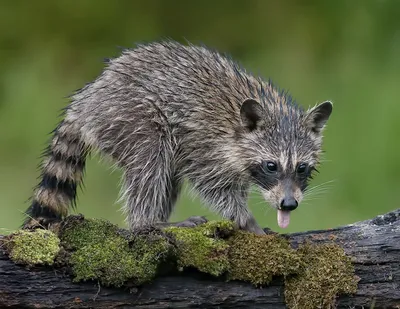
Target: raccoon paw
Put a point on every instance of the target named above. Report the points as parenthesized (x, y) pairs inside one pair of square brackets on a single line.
[(41, 223), (191, 221), (252, 227), (268, 231)]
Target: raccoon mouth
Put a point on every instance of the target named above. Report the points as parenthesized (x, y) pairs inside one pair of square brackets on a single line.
[(283, 218)]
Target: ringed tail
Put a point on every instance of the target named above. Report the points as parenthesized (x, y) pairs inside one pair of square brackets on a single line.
[(62, 171)]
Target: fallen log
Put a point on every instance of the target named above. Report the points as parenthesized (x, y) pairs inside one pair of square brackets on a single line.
[(374, 246)]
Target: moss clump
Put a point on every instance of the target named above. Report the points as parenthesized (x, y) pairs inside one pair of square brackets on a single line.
[(257, 259), (39, 247), (326, 272), (99, 252), (203, 246)]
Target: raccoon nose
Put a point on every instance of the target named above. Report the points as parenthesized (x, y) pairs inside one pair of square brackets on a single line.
[(289, 204)]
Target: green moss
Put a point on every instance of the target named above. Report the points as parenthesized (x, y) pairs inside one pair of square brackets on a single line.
[(99, 252), (257, 259), (326, 272), (39, 247), (203, 246)]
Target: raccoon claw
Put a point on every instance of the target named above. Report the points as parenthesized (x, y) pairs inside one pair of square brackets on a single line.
[(268, 231), (256, 230), (252, 227), (191, 221), (40, 223)]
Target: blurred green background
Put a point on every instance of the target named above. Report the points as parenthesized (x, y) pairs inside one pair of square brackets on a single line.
[(344, 51)]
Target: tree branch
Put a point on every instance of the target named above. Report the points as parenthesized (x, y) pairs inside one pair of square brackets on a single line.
[(373, 244)]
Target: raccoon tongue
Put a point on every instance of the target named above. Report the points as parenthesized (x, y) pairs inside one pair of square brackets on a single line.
[(283, 218)]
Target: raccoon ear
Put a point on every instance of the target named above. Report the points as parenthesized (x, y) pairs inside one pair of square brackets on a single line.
[(318, 116), (251, 114)]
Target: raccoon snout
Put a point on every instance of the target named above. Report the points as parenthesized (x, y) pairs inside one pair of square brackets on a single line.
[(289, 204)]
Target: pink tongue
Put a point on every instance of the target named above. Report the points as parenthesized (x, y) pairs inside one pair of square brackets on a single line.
[(283, 218)]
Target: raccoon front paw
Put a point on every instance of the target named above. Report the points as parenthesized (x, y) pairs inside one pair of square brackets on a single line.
[(256, 230), (252, 227), (268, 231), (191, 221)]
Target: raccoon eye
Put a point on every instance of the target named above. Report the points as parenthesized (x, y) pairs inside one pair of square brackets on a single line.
[(302, 168), (271, 166)]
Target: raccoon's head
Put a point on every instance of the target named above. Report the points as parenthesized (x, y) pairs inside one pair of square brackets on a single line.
[(283, 145)]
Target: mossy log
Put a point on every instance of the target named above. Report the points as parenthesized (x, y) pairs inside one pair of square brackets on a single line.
[(373, 245)]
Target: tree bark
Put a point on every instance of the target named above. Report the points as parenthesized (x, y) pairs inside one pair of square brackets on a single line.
[(374, 245)]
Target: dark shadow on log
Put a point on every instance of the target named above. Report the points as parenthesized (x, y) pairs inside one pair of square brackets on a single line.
[(374, 245)]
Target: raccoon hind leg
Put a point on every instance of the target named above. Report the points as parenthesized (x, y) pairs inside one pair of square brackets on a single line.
[(150, 184)]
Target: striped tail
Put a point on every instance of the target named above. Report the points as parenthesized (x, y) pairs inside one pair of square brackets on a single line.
[(61, 173)]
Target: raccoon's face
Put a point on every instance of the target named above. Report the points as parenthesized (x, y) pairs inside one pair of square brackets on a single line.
[(284, 149)]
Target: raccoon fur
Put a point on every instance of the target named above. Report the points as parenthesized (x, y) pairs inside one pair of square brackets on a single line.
[(165, 112)]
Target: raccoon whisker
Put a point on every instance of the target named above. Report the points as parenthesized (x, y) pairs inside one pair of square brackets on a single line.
[(308, 201), (325, 160), (251, 197), (253, 189), (315, 194), (260, 202), (267, 210), (262, 185), (313, 197), (324, 188), (318, 190), (324, 184)]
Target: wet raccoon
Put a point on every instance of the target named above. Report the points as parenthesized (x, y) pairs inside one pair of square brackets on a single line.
[(165, 112)]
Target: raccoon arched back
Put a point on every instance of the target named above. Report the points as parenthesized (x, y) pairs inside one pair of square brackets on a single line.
[(165, 112)]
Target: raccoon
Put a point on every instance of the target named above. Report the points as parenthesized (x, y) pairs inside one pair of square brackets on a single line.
[(165, 112)]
